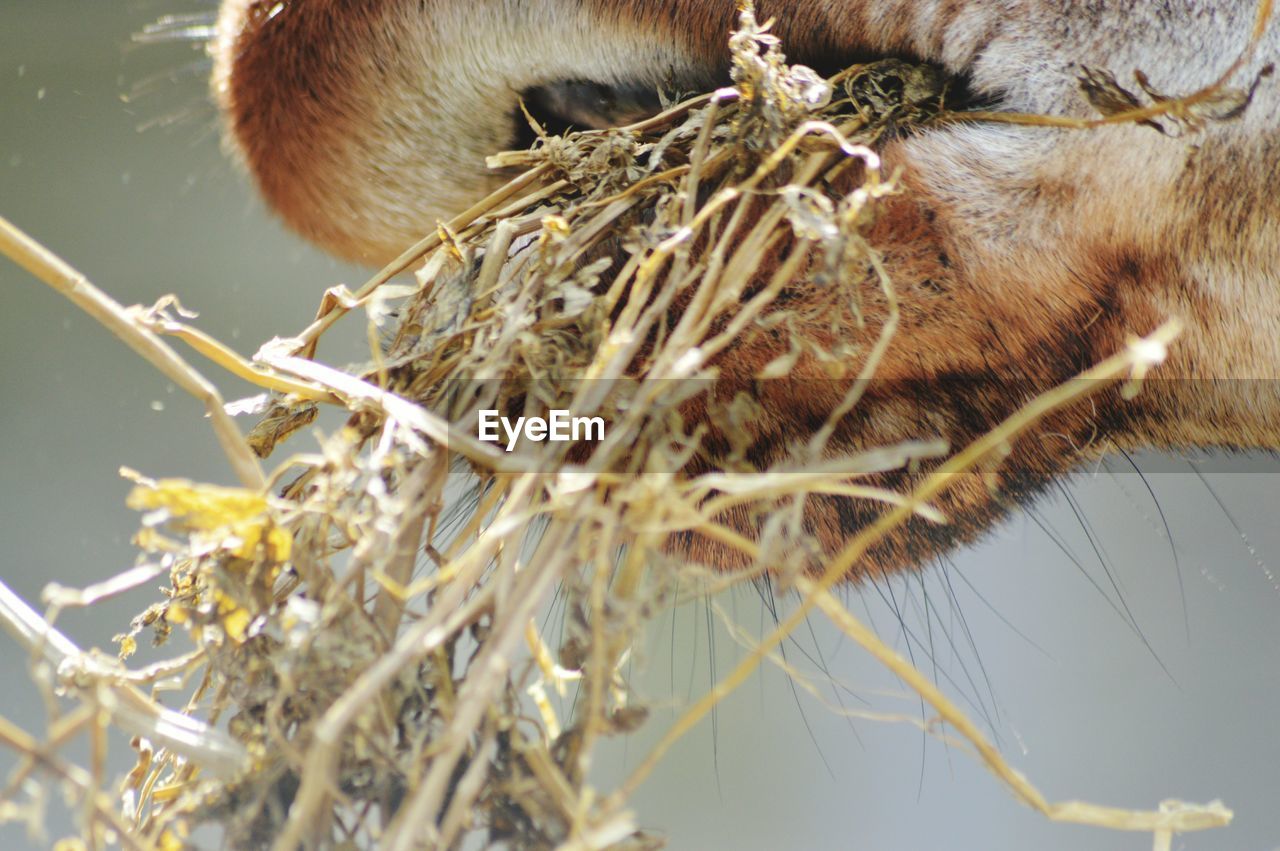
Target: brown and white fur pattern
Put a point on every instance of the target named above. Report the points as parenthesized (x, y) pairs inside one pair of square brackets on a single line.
[(1021, 254)]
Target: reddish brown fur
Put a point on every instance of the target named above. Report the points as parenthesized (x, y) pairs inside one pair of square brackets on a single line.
[(961, 362), (293, 109)]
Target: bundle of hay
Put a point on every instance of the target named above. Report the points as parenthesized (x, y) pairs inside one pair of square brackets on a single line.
[(418, 698), (368, 635)]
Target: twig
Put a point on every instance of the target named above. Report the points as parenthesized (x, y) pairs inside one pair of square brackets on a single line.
[(128, 707), (55, 272), (306, 341)]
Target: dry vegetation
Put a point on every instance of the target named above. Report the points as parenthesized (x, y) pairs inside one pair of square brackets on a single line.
[(366, 664)]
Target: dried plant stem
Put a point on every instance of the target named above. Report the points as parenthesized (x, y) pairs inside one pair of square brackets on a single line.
[(468, 789), (61, 731), (1186, 817), (451, 610), (420, 491), (230, 360), (129, 708), (1174, 107), (99, 807), (357, 393), (479, 689), (125, 325), (306, 341)]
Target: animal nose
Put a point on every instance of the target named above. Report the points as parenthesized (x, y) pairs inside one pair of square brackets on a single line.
[(364, 123)]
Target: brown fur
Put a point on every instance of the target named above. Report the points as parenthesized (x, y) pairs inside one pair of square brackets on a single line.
[(1021, 255)]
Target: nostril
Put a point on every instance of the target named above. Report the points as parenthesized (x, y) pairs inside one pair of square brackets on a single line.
[(914, 83), (582, 105)]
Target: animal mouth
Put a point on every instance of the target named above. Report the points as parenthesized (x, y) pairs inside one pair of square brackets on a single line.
[(563, 106)]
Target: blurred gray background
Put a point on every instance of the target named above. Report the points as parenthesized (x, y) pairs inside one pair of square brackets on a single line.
[(1033, 630)]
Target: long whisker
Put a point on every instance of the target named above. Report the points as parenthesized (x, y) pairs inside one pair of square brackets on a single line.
[(192, 26)]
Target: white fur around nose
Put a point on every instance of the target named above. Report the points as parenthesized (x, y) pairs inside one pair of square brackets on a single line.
[(443, 91)]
